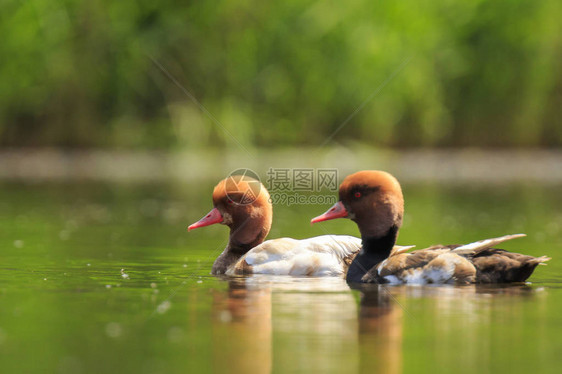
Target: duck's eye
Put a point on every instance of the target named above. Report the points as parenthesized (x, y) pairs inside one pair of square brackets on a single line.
[(358, 194)]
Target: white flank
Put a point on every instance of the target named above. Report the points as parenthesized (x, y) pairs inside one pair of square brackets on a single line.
[(318, 256)]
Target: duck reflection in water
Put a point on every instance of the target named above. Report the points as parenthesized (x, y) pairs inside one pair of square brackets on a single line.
[(289, 324), (242, 329), (380, 331), (316, 326), (454, 315), (264, 324)]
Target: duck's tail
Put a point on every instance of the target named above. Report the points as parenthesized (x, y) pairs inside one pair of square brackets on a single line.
[(540, 260)]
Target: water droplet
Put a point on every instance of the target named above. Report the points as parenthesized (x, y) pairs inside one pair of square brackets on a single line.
[(64, 235), (176, 334), (113, 330), (225, 316), (164, 307)]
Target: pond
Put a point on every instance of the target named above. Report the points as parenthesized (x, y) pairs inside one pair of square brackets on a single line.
[(104, 278)]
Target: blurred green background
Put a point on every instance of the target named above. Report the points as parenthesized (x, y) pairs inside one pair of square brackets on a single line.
[(474, 73), (118, 117)]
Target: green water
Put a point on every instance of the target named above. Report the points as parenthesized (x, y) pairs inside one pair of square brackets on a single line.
[(66, 305)]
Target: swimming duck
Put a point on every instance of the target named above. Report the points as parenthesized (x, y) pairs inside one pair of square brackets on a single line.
[(374, 201), (243, 204)]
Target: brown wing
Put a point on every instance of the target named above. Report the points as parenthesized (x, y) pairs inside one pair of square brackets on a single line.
[(406, 261), (500, 266), (474, 262)]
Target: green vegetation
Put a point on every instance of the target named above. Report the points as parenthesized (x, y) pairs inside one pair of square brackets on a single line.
[(476, 73)]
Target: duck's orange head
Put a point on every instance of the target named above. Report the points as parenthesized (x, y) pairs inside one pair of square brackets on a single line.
[(243, 204), (371, 198)]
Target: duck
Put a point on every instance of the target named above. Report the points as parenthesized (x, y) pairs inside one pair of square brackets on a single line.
[(243, 204), (373, 199)]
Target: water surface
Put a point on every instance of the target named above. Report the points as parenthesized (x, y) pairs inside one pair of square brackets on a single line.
[(105, 278)]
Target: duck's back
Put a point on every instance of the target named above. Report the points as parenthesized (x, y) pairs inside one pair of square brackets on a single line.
[(326, 255), (476, 262)]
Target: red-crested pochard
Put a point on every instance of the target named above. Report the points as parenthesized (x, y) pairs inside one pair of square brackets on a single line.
[(374, 201), (243, 204)]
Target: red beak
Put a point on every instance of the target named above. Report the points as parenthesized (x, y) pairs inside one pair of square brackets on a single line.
[(337, 211), (214, 216)]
